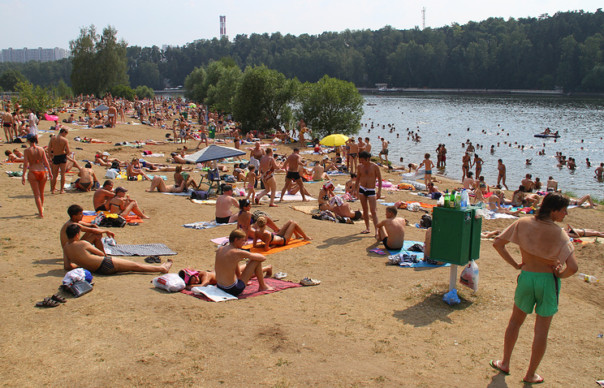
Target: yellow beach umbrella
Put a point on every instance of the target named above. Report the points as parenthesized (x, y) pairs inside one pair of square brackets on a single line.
[(334, 140)]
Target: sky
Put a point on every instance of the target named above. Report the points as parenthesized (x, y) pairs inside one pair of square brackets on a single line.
[(50, 24)]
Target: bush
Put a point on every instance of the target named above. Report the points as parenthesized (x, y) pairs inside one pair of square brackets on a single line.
[(123, 91), (143, 91)]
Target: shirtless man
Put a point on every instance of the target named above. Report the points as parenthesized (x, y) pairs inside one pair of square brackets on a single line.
[(469, 183), (353, 153), (547, 256), (552, 184), (86, 177), (92, 233), (102, 196), (112, 114), (292, 166), (256, 155), (58, 148), (502, 173), (7, 124), (268, 165), (223, 206), (367, 145), (391, 231), (79, 253), (318, 172), (367, 174), (599, 171), (229, 276), (528, 183), (384, 150), (428, 165)]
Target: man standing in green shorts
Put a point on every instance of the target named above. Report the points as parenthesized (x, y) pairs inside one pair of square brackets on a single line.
[(547, 256)]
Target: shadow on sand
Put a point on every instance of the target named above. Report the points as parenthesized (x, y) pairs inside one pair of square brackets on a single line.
[(430, 310)]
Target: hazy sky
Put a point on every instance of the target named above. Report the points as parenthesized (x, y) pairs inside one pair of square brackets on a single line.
[(37, 23)]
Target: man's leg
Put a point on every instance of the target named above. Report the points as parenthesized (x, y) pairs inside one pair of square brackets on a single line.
[(511, 336), (285, 188), (365, 208), (302, 190), (62, 168), (254, 268), (272, 186), (55, 176), (94, 239), (123, 265), (542, 325), (372, 206)]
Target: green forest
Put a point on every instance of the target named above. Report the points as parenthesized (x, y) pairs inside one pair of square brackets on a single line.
[(565, 50)]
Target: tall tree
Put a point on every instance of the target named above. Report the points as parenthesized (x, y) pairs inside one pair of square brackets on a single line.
[(98, 62)]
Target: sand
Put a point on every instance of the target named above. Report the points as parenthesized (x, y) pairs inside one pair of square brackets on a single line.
[(367, 324)]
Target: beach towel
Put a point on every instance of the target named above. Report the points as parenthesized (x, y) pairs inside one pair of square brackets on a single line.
[(492, 215), (186, 193), (310, 210), (290, 244), (252, 290), (137, 250), (336, 173), (225, 240), (90, 215), (204, 201), (205, 225), (287, 197)]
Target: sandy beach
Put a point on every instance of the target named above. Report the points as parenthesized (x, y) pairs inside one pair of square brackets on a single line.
[(367, 324)]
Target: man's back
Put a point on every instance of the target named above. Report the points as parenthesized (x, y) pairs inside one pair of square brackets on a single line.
[(226, 264)]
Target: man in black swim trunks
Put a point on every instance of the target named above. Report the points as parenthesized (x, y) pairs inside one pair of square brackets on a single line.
[(59, 149), (229, 278), (391, 231), (79, 253), (223, 206), (292, 166), (102, 196), (92, 233)]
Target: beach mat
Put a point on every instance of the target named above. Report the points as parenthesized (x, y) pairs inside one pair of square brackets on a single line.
[(225, 240), (291, 244), (138, 250), (205, 225), (130, 218), (287, 197), (252, 290)]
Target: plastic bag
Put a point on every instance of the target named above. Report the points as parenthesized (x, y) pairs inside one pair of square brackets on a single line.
[(469, 276), (170, 282)]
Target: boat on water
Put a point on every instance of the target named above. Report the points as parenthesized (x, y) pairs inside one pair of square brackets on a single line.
[(547, 135)]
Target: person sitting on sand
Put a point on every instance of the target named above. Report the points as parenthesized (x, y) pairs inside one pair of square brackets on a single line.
[(280, 238), (194, 278), (496, 200), (329, 201), (246, 219), (350, 186), (223, 206), (552, 184), (183, 178), (528, 183), (102, 196), (582, 232), (80, 253), (229, 276), (391, 231), (318, 173), (12, 158), (134, 169), (92, 233), (86, 177), (468, 182), (158, 183), (122, 205)]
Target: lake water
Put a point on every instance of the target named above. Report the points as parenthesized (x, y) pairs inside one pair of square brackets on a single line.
[(506, 120)]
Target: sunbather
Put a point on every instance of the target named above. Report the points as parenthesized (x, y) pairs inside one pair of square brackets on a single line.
[(92, 233), (582, 232), (80, 253), (391, 231), (246, 219), (280, 238), (194, 278), (158, 183), (122, 204)]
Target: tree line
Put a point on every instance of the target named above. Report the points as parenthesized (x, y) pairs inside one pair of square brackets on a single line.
[(564, 50)]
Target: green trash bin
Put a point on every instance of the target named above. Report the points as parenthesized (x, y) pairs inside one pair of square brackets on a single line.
[(455, 235)]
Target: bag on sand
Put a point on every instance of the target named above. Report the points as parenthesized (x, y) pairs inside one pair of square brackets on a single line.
[(469, 276), (170, 282)]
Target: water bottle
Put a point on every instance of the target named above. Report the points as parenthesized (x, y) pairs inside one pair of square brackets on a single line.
[(447, 199), (465, 198), (457, 200), (588, 278), (452, 199)]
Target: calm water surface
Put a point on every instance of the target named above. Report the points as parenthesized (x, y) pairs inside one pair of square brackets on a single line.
[(508, 121)]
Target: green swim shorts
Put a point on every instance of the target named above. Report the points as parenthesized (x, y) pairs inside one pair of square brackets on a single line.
[(540, 289)]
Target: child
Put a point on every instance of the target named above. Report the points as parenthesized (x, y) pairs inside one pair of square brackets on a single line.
[(250, 182), (428, 165), (349, 187)]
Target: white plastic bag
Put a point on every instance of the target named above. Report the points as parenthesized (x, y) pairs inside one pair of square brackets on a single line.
[(469, 276), (170, 282)]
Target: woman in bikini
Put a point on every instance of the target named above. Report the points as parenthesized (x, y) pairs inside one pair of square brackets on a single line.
[(35, 160), (279, 239), (329, 201), (123, 205), (577, 233), (246, 219)]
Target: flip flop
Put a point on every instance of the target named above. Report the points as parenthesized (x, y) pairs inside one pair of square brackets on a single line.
[(152, 259), (365, 232), (497, 367), (58, 298), (540, 380), (47, 302)]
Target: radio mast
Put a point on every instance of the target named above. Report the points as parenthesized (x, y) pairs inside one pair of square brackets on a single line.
[(424, 18), (222, 26)]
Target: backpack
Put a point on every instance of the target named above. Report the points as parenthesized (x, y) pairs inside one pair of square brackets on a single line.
[(426, 221), (199, 194)]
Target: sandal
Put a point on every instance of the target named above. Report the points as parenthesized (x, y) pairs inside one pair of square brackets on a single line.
[(280, 275), (47, 302), (58, 298), (152, 259), (310, 282)]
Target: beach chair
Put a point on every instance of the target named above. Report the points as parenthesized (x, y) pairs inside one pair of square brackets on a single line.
[(212, 179)]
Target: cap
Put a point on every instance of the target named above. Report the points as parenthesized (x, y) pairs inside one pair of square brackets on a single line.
[(106, 153), (325, 157), (120, 189)]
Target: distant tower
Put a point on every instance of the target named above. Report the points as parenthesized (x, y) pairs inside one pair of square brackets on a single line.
[(222, 26), (424, 18)]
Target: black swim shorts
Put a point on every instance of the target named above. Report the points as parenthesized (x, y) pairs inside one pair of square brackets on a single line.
[(59, 159), (106, 267), (293, 175)]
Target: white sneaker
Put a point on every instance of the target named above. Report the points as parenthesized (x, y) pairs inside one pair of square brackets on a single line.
[(280, 275), (310, 282)]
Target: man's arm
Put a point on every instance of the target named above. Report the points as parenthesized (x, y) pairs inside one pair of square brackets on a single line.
[(379, 178), (253, 256), (499, 245), (92, 249), (67, 264), (571, 267)]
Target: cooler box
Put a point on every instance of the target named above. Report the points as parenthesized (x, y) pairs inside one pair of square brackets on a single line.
[(455, 235)]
